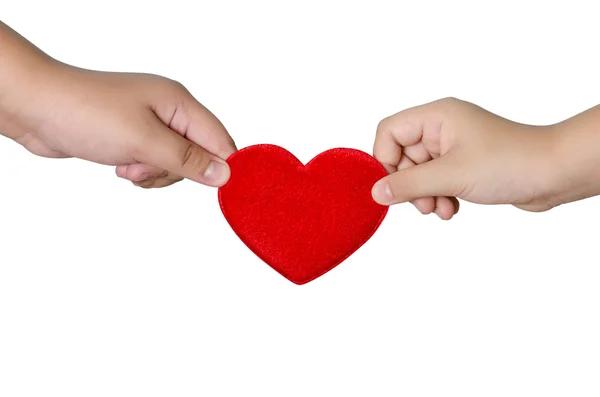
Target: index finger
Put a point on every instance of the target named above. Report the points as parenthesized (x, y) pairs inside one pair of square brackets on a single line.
[(205, 129), (164, 148)]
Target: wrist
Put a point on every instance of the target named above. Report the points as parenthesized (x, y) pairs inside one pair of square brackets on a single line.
[(577, 173), (22, 94), (25, 71)]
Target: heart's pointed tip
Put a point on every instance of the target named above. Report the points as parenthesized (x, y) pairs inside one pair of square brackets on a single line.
[(296, 282), (293, 279)]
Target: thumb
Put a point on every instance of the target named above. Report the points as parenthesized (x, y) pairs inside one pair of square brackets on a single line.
[(434, 178), (168, 150)]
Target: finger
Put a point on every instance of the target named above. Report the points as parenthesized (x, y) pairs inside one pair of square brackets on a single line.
[(386, 149), (444, 208), (456, 204), (147, 176), (425, 205), (417, 153), (121, 170), (139, 172), (155, 183), (166, 149), (198, 124), (439, 177), (404, 129)]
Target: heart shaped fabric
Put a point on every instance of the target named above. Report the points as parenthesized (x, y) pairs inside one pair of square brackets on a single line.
[(302, 220)]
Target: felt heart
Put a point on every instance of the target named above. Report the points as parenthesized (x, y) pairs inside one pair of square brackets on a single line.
[(302, 220)]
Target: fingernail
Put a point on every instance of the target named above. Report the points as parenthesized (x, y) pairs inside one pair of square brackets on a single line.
[(438, 213), (216, 172), (382, 193)]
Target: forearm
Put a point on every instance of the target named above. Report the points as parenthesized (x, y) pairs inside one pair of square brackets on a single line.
[(578, 156), (22, 69)]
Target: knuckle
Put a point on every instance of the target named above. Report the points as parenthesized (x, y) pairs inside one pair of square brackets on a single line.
[(380, 126), (449, 100), (194, 158), (167, 88), (450, 103), (178, 87), (179, 95), (384, 125)]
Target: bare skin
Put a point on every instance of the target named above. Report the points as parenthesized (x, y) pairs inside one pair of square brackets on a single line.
[(449, 149), (150, 127), (155, 133)]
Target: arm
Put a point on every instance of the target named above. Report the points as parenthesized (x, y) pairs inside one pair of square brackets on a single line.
[(151, 128), (578, 141), (451, 149), (21, 64)]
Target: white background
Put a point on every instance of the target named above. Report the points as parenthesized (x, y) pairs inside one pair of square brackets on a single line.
[(111, 290)]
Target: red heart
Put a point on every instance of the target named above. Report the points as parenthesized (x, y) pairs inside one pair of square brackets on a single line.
[(302, 220)]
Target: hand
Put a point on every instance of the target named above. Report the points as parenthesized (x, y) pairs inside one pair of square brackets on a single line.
[(150, 127), (451, 149)]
